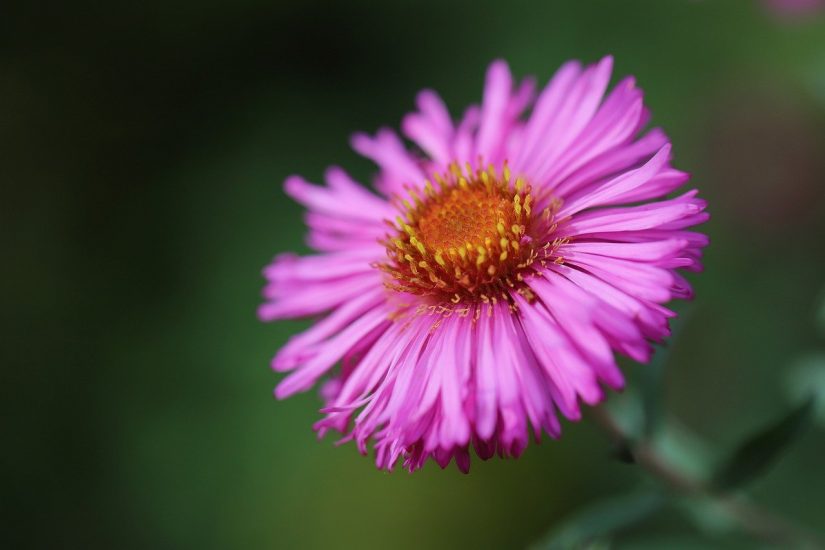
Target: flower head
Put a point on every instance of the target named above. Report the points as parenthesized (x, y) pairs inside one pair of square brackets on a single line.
[(488, 284)]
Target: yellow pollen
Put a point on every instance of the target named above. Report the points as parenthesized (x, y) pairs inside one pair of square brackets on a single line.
[(466, 238)]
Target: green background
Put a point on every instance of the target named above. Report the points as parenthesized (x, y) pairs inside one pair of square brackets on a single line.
[(144, 146)]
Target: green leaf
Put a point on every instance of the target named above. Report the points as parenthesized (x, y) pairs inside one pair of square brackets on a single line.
[(601, 519), (709, 514), (680, 541), (756, 454), (820, 313), (684, 450), (623, 452), (806, 377)]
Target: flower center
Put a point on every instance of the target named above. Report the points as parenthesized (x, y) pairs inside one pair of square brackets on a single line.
[(472, 236), (463, 216)]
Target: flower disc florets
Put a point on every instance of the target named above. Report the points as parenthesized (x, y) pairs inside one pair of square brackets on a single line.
[(470, 237)]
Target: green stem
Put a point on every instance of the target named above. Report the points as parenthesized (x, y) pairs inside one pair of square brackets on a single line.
[(752, 519)]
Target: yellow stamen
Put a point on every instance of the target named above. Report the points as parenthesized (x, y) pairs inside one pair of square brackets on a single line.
[(461, 238)]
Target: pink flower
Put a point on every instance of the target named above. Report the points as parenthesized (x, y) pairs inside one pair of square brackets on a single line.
[(489, 283)]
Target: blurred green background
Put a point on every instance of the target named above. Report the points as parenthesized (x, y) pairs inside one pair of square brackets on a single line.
[(144, 146)]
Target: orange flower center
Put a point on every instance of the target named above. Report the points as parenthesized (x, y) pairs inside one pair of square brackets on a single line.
[(469, 237), (462, 216)]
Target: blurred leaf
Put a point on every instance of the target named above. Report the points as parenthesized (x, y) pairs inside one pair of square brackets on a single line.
[(759, 451), (683, 449), (807, 377), (680, 541), (626, 411), (820, 313), (623, 452), (709, 515), (601, 519)]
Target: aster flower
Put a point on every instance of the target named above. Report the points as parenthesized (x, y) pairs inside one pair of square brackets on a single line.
[(487, 286)]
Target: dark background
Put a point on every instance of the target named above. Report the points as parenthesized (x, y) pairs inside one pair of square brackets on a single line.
[(144, 146)]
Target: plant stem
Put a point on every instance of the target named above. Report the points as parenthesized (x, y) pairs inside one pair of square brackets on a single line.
[(750, 517)]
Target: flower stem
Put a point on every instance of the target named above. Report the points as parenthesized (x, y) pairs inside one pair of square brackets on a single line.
[(751, 518)]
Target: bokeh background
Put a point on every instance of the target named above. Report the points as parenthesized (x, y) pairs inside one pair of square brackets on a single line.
[(144, 146)]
